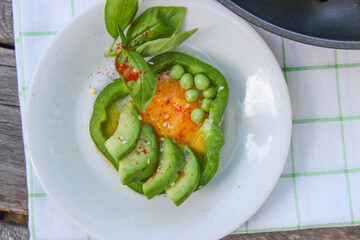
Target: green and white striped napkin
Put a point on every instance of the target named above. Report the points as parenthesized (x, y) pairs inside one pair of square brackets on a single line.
[(319, 186)]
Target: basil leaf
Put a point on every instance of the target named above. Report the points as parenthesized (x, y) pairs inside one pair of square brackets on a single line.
[(163, 44), (119, 14), (139, 78), (154, 23)]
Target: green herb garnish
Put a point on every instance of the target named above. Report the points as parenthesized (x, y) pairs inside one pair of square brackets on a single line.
[(153, 32)]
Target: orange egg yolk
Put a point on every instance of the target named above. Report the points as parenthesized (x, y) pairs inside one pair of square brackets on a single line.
[(169, 113)]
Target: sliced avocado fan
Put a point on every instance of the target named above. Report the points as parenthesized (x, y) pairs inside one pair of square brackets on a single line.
[(186, 184), (171, 162)]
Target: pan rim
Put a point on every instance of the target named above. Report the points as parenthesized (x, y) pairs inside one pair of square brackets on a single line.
[(283, 32)]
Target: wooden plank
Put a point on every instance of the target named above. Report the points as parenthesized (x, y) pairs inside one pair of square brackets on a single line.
[(352, 233), (6, 24), (12, 158), (13, 190), (14, 231), (13, 196), (7, 57), (8, 86)]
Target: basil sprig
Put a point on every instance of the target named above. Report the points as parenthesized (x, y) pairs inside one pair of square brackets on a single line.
[(153, 32), (118, 15)]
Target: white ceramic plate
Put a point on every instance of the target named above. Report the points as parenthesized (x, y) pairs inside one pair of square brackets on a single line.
[(257, 128)]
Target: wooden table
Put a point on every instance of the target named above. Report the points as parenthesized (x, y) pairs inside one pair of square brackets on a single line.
[(13, 191)]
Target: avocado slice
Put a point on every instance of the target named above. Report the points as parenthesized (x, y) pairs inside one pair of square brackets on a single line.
[(123, 141), (137, 187), (171, 162), (142, 161), (186, 184)]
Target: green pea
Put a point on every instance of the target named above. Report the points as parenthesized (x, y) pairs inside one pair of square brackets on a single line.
[(191, 95), (202, 82), (187, 81), (197, 115), (206, 104), (210, 92), (176, 72)]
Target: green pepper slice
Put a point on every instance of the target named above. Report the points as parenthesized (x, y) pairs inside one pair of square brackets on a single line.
[(210, 129), (110, 94)]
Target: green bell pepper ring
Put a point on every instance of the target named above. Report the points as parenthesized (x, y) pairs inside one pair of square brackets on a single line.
[(210, 129), (110, 94)]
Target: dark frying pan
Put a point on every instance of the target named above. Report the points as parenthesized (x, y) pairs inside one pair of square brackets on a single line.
[(327, 23)]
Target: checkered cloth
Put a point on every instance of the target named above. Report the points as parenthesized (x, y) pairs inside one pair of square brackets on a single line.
[(319, 186)]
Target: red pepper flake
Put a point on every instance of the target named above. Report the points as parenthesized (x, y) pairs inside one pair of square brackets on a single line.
[(178, 108), (179, 173), (118, 46), (127, 71), (145, 152), (181, 135), (147, 31)]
